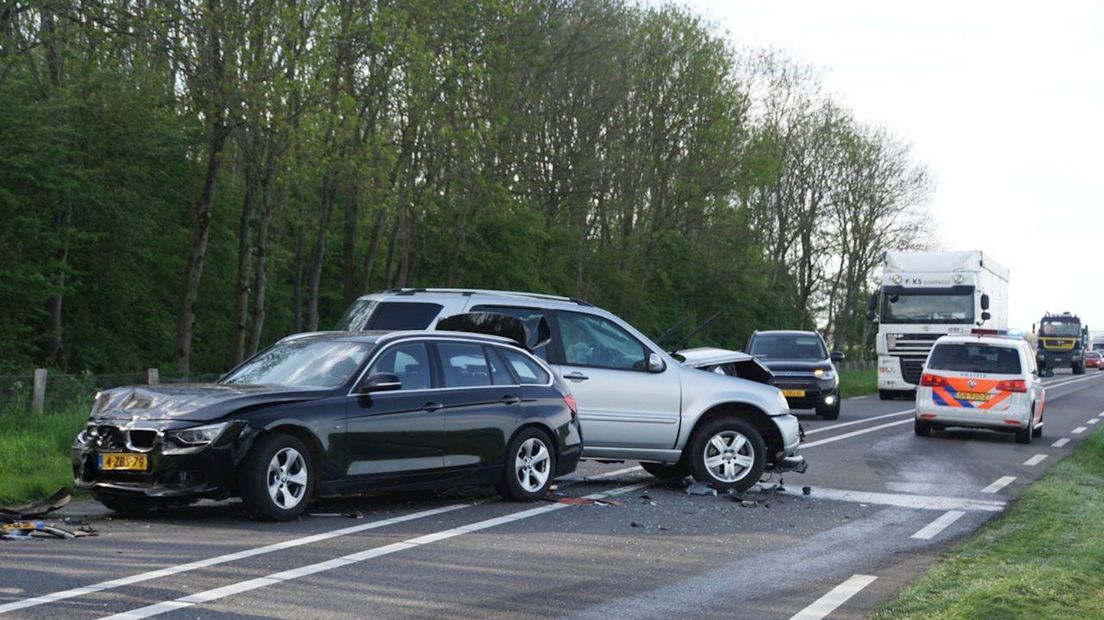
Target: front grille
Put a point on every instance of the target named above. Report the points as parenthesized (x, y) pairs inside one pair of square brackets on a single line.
[(109, 437), (911, 343), (912, 368), (142, 439)]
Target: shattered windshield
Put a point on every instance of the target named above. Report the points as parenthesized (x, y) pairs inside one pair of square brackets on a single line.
[(302, 364)]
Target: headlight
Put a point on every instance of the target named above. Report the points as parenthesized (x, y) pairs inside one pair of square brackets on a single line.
[(821, 373), (198, 436)]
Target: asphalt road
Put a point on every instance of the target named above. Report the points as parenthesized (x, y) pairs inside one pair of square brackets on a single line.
[(882, 504)]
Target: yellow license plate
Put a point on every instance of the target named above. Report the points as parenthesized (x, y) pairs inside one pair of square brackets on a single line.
[(793, 393), (972, 396), (124, 462)]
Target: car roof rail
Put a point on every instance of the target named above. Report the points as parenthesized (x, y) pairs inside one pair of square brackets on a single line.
[(479, 291)]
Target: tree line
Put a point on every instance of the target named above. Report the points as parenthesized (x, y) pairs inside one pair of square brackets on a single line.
[(184, 181)]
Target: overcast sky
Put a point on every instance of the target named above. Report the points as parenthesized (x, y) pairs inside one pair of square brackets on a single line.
[(1002, 101)]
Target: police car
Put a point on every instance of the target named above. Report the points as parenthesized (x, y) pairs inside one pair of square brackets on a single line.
[(984, 380)]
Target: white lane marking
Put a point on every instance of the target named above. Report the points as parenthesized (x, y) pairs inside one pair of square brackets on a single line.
[(859, 397), (352, 558), (1035, 460), (1061, 383), (1100, 415), (903, 500), (611, 474), (834, 598), (821, 442), (221, 559), (999, 484), (863, 421), (1061, 442), (945, 520), (1094, 421), (1079, 430)]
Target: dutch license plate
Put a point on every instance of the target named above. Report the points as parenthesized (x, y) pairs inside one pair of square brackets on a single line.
[(793, 393), (124, 462), (972, 396)]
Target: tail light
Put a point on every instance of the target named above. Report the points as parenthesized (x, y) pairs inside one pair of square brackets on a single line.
[(929, 380), (1012, 385), (570, 400)]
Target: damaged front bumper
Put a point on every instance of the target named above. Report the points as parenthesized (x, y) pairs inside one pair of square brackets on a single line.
[(173, 473), (787, 459)]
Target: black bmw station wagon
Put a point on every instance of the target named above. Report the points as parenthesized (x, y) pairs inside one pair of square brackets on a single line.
[(327, 414)]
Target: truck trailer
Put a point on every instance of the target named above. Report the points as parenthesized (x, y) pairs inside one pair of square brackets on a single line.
[(925, 295)]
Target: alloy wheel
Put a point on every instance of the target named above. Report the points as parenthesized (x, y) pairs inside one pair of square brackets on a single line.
[(728, 456), (532, 465), (287, 478)]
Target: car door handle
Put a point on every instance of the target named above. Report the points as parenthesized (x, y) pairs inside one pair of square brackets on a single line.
[(510, 400), (431, 407), (576, 376)]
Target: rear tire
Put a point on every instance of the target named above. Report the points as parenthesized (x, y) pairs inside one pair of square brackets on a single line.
[(922, 428), (530, 466), (667, 471), (1024, 436), (1038, 430), (277, 478), (727, 453)]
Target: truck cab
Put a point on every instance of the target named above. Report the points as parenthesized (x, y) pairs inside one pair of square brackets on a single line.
[(927, 295), (1061, 343)]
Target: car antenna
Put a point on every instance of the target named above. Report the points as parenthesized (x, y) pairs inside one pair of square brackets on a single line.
[(695, 330), (667, 334)]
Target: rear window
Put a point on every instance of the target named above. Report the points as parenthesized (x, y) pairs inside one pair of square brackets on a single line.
[(395, 315), (975, 358)]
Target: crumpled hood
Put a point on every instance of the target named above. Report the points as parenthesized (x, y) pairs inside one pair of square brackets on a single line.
[(198, 402)]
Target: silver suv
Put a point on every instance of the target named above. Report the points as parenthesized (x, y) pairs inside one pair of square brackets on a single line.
[(635, 401)]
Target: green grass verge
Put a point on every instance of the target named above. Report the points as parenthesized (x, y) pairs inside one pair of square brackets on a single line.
[(34, 450), (858, 382), (1043, 559)]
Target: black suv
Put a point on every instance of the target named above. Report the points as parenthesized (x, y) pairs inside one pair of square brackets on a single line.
[(802, 369), (332, 414)]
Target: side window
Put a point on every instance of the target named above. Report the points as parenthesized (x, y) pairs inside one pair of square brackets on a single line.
[(526, 369), (499, 373), (529, 316), (464, 365), (595, 341), (398, 315), (410, 362)]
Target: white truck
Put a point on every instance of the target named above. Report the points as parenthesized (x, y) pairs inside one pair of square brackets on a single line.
[(925, 295), (1096, 340)]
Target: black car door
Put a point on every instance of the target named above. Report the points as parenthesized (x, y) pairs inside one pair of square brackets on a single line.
[(482, 404), (397, 434)]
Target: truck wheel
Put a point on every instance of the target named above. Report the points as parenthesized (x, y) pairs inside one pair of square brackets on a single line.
[(276, 479), (727, 453), (667, 471), (922, 428), (1078, 369), (885, 395)]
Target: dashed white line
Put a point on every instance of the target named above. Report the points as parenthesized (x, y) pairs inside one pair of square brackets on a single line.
[(1094, 420), (859, 397), (854, 422), (1035, 460), (1100, 415), (1061, 442), (221, 559), (821, 442), (1000, 483), (1079, 430), (352, 558), (943, 522), (834, 598)]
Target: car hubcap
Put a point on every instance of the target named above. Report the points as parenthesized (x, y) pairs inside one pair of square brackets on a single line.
[(532, 465), (287, 478), (728, 456)]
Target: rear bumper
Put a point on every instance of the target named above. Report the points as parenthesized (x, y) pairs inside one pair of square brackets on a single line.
[(1016, 417)]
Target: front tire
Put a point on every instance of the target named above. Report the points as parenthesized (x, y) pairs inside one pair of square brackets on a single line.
[(276, 479), (1078, 369), (667, 471), (728, 453), (530, 466)]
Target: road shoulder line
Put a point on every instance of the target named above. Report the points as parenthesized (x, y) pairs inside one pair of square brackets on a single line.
[(944, 521), (834, 598)]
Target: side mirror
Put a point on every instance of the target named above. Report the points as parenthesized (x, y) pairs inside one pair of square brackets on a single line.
[(872, 303), (870, 316), (838, 356), (380, 382), (985, 316), (985, 302), (656, 363)]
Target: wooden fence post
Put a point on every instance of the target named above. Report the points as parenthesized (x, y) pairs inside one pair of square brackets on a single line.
[(38, 392), (153, 376)]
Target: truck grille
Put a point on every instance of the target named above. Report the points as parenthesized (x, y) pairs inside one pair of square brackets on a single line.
[(911, 343), (912, 368)]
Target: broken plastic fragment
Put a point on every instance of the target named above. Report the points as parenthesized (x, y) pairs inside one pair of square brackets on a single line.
[(698, 488)]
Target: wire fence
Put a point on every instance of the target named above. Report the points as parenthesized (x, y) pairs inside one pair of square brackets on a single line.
[(61, 391)]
